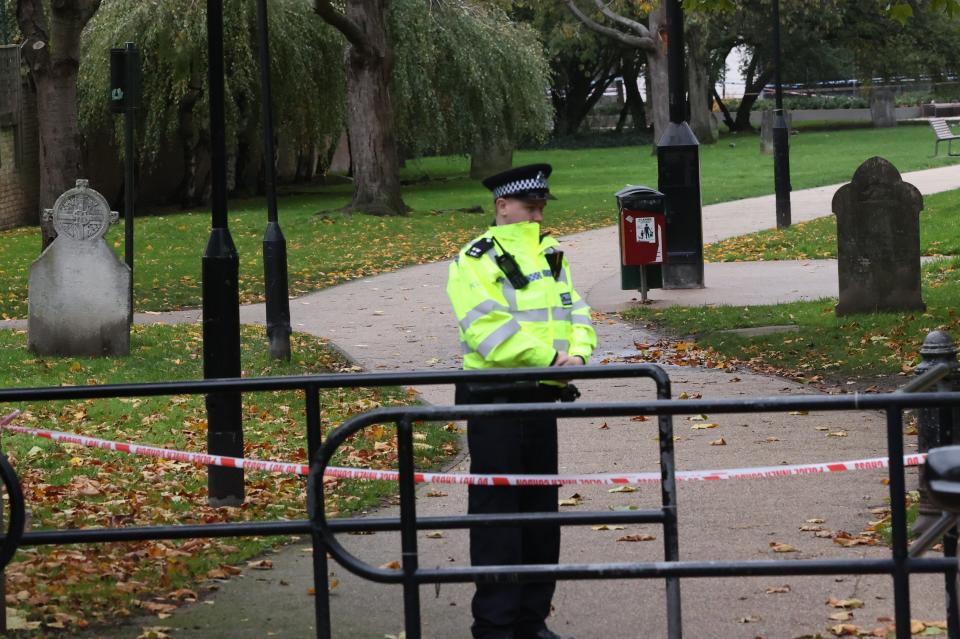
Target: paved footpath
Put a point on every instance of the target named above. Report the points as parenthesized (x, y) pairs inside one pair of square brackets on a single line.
[(402, 321)]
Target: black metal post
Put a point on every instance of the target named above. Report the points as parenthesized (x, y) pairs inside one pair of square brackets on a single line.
[(781, 134), (678, 162), (274, 244), (314, 427), (935, 427), (408, 529), (221, 297), (898, 523), (668, 498), (130, 104)]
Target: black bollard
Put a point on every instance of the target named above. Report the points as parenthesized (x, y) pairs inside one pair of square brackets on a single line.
[(221, 293), (274, 244), (781, 134), (937, 427), (678, 172)]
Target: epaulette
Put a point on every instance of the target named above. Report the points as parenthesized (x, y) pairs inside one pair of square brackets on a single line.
[(480, 247)]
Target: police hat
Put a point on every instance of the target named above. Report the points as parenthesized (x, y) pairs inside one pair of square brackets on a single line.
[(523, 183)]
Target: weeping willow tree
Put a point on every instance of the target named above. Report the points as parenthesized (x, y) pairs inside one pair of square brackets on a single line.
[(462, 76), (466, 78), (307, 75)]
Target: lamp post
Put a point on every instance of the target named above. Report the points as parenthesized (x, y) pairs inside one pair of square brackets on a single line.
[(125, 98), (781, 134), (678, 171), (221, 297), (274, 244)]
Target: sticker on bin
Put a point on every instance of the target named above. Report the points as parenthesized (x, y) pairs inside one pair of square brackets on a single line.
[(642, 238)]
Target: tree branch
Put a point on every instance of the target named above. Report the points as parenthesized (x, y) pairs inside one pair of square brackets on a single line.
[(33, 26), (638, 27), (645, 43), (87, 10), (350, 29)]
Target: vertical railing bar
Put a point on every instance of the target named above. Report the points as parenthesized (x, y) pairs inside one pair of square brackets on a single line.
[(668, 495), (950, 585), (314, 424), (321, 584), (947, 437), (408, 530), (898, 513), (316, 504), (3, 570)]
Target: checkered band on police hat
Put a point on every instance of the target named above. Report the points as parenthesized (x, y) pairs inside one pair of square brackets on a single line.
[(528, 182), (537, 183)]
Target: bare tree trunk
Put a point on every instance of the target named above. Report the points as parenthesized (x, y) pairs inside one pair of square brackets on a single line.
[(698, 79), (59, 135), (53, 56), (373, 148), (658, 90), (188, 193), (634, 101), (489, 157), (752, 91), (583, 88)]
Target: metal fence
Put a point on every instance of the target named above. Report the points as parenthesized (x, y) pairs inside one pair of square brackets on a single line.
[(311, 387), (323, 532)]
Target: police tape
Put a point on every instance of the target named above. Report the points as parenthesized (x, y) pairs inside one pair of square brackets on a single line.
[(601, 479)]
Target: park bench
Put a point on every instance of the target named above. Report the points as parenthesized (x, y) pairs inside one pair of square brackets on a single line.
[(944, 134)]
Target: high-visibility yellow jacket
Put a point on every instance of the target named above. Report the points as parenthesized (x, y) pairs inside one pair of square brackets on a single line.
[(505, 327)]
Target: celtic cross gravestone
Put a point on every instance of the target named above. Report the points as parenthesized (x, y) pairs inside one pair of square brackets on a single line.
[(79, 296)]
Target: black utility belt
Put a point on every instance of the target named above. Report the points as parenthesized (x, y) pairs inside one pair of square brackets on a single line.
[(522, 392)]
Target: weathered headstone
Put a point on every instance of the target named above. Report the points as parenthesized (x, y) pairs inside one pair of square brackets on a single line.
[(79, 297), (883, 112), (766, 129), (878, 241)]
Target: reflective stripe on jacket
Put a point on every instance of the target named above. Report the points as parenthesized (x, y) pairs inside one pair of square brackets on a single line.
[(503, 327)]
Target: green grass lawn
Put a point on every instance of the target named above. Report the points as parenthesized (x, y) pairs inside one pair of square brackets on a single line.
[(855, 346), (816, 239), (329, 248), (826, 346), (69, 486)]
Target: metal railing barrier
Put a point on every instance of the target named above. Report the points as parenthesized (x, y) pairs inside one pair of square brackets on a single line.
[(944, 404), (15, 536)]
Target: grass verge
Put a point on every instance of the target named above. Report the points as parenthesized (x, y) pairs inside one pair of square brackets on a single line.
[(66, 486), (817, 239), (825, 346), (326, 247)]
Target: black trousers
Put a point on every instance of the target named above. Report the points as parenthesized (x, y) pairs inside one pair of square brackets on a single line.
[(512, 446)]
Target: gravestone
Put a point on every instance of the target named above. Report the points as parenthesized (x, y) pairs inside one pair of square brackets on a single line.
[(883, 112), (766, 129), (79, 296), (878, 241)]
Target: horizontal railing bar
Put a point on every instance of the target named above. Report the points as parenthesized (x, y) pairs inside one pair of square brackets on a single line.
[(344, 525), (652, 516), (855, 401), (143, 533), (926, 380), (351, 380), (683, 569)]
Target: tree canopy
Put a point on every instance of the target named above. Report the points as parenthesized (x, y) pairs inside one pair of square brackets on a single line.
[(465, 73), (307, 72), (461, 73)]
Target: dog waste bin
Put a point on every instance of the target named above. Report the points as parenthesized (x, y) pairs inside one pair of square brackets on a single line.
[(642, 221)]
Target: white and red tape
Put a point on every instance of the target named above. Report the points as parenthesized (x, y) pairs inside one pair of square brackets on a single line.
[(759, 472)]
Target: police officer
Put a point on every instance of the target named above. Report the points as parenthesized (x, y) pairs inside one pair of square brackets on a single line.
[(514, 300)]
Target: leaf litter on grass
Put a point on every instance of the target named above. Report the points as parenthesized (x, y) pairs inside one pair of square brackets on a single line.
[(68, 486)]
